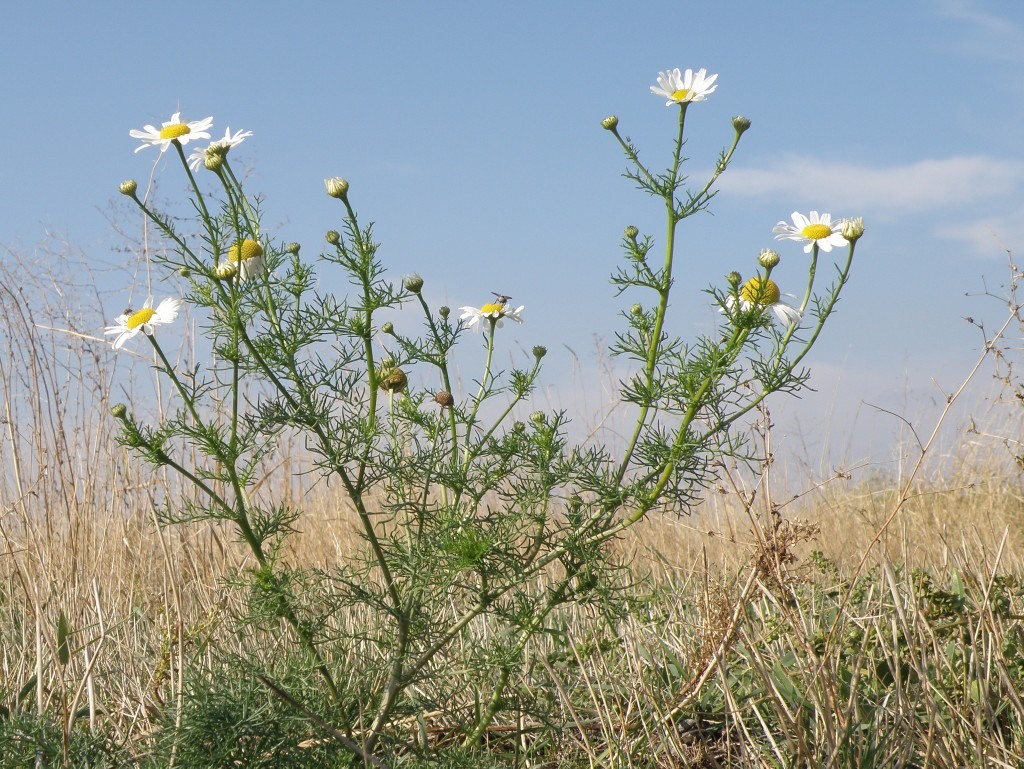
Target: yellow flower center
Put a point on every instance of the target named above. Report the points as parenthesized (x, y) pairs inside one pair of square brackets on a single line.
[(760, 291), (490, 309), (249, 249), (683, 94), (174, 131), (140, 318), (816, 231)]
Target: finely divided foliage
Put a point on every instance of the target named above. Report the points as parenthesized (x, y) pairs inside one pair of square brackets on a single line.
[(469, 517)]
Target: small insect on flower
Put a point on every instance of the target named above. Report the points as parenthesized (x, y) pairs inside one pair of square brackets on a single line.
[(494, 313), (174, 130), (816, 229), (131, 322), (500, 298)]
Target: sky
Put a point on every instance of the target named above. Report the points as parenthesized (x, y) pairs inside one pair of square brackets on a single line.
[(470, 133)]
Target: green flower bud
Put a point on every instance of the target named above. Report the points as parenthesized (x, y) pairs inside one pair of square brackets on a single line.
[(768, 258), (853, 229), (637, 310), (184, 272), (119, 411), (537, 417), (443, 311), (226, 270), (540, 351), (336, 187), (333, 237), (292, 248), (734, 278), (610, 123), (740, 124), (632, 232), (413, 283), (128, 187), (388, 328)]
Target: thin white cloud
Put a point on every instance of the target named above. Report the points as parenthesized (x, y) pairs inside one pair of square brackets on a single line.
[(925, 184), (985, 34), (989, 236)]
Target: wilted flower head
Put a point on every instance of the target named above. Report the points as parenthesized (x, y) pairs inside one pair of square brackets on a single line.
[(764, 293), (247, 256), (173, 130), (682, 88)]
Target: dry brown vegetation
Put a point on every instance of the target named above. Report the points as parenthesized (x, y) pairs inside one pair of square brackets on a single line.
[(872, 621)]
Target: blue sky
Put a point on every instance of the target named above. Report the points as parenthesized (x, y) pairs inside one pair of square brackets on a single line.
[(470, 133)]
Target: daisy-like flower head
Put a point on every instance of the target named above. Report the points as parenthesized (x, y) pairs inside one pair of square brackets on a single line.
[(764, 293), (131, 322), (246, 257), (819, 229), (171, 131), (494, 313), (684, 87), (217, 150)]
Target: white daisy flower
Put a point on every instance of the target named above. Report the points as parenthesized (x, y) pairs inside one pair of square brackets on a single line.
[(682, 88), (764, 293), (173, 129), (495, 313), (131, 322), (244, 259), (819, 229), (219, 148)]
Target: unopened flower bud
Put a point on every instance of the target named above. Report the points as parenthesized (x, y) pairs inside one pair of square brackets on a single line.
[(768, 258), (388, 328), (292, 248), (740, 124), (537, 417), (632, 232), (213, 160), (333, 237), (119, 411), (184, 272), (128, 187), (637, 310), (853, 229), (444, 310), (226, 270), (413, 283), (444, 399), (540, 351), (734, 278), (610, 123), (336, 187)]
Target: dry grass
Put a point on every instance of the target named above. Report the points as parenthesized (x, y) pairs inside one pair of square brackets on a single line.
[(742, 649)]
